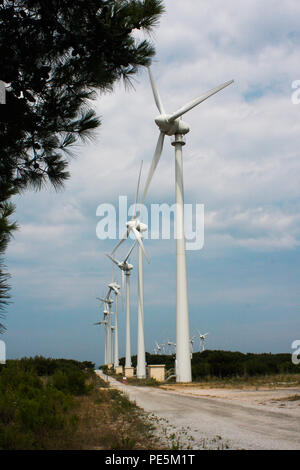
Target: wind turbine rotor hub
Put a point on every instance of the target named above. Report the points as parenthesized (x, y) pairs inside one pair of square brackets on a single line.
[(139, 226), (142, 227), (173, 127)]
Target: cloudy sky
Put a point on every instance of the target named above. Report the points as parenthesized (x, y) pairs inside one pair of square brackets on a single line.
[(241, 161)]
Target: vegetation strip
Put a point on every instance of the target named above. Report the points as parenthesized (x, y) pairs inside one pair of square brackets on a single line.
[(61, 404)]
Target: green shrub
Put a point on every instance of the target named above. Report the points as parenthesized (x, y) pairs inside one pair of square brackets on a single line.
[(32, 409), (7, 409), (12, 439), (72, 382)]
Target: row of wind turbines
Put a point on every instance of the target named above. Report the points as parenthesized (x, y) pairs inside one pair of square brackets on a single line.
[(168, 346), (171, 125)]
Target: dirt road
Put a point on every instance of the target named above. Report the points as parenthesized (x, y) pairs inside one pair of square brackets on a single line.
[(205, 419)]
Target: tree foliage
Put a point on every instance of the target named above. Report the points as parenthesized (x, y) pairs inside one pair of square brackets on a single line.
[(55, 56), (6, 229)]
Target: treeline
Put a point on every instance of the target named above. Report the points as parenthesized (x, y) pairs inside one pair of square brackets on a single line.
[(232, 364), (37, 400), (228, 364), (45, 366)]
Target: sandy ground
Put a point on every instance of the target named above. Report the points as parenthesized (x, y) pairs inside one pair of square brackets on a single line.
[(270, 398), (197, 418)]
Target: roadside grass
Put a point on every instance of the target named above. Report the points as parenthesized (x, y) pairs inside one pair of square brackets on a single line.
[(108, 420), (290, 398), (243, 382), (181, 438), (148, 382)]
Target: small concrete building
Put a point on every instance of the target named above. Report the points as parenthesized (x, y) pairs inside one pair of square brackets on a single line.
[(129, 372), (119, 370), (157, 372)]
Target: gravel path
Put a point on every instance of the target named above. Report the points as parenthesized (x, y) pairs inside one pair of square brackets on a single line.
[(204, 421)]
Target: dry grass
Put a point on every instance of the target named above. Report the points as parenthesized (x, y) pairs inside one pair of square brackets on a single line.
[(107, 420), (246, 383), (290, 398)]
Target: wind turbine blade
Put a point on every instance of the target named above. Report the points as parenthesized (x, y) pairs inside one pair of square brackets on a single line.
[(198, 100), (155, 93), (125, 236), (155, 160), (137, 192), (113, 273), (139, 240), (130, 251), (113, 259)]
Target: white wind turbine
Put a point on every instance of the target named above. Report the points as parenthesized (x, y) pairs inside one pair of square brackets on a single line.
[(109, 340), (202, 339), (137, 228), (104, 322), (172, 125), (115, 288), (170, 343), (159, 348), (192, 340), (126, 269)]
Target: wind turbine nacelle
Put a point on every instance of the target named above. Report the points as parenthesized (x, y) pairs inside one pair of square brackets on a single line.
[(171, 128), (114, 286), (139, 226), (142, 227)]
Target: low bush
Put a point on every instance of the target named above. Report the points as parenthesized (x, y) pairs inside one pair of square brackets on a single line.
[(72, 382), (34, 408)]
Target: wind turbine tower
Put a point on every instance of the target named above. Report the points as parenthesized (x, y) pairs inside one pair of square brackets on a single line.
[(173, 126)]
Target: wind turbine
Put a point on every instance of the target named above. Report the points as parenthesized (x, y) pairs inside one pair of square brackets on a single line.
[(163, 348), (137, 228), (126, 269), (159, 347), (115, 288), (170, 343), (202, 339), (172, 125), (192, 340), (108, 302), (104, 322)]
